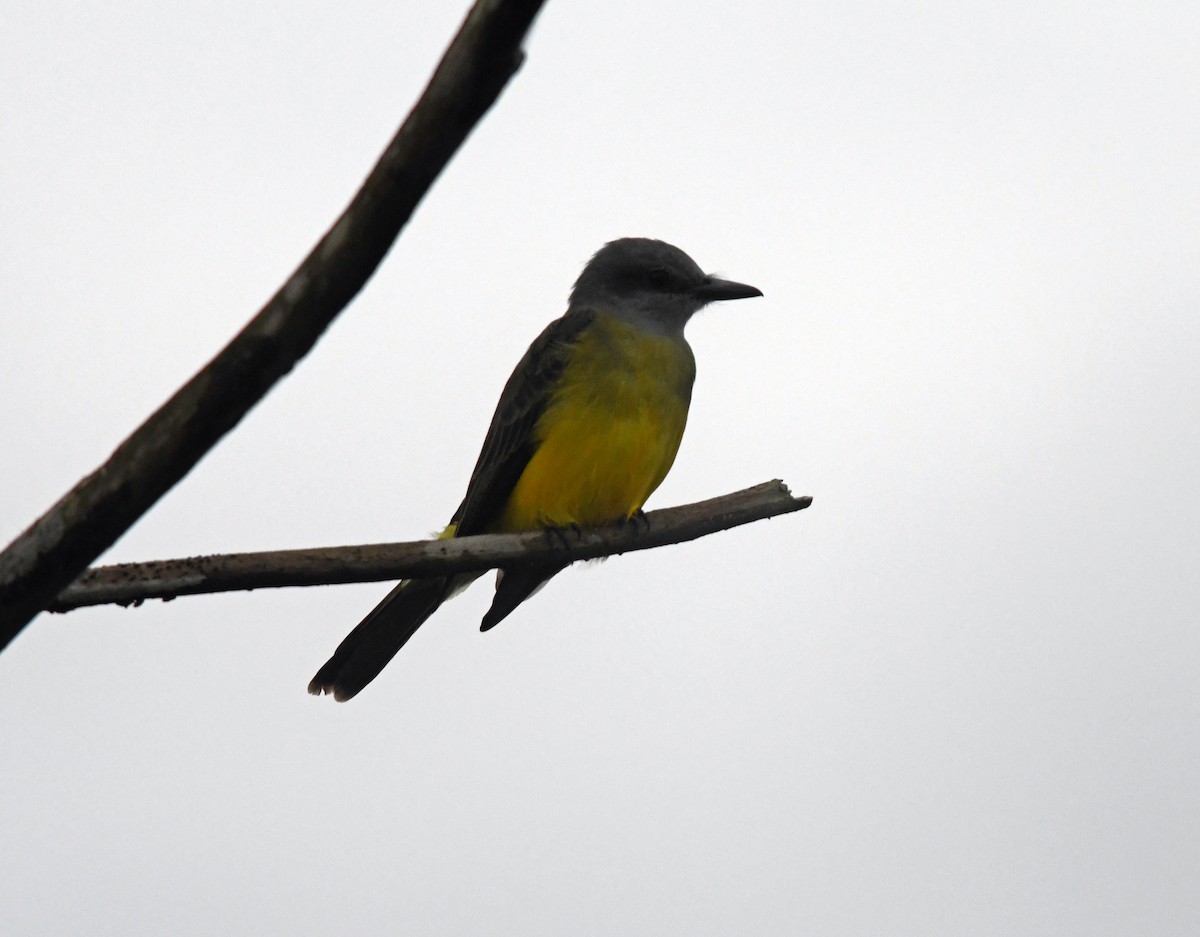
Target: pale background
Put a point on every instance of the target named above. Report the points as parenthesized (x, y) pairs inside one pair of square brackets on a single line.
[(955, 697)]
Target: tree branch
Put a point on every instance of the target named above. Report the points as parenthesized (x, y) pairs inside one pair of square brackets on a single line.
[(52, 552), (132, 583)]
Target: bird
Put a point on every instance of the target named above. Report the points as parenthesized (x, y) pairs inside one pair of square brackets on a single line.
[(587, 427)]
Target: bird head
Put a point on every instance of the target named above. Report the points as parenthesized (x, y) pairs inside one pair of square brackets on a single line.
[(651, 283)]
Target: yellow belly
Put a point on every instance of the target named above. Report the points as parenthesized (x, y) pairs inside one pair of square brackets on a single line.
[(609, 434)]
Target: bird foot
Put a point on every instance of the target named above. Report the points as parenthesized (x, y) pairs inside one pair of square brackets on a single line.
[(559, 534), (638, 520)]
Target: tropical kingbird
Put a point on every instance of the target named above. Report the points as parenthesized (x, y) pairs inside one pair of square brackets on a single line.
[(586, 428)]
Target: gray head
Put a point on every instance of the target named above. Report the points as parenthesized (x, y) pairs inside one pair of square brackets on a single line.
[(651, 283)]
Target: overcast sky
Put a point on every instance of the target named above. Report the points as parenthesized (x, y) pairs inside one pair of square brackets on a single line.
[(957, 696)]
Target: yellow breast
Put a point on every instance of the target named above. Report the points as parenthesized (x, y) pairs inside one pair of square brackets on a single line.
[(610, 431)]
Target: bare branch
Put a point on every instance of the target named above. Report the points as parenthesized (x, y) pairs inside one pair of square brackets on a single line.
[(132, 583), (49, 555)]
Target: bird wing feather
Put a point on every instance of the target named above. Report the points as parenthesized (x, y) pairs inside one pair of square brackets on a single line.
[(509, 443)]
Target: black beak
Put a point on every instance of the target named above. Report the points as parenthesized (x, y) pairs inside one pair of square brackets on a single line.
[(714, 289)]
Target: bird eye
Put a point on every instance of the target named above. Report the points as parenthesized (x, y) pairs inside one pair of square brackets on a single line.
[(660, 278)]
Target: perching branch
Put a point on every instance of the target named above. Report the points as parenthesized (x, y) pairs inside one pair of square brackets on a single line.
[(52, 552), (131, 583)]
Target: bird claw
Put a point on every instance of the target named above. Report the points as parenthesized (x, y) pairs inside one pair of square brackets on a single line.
[(638, 519), (558, 534)]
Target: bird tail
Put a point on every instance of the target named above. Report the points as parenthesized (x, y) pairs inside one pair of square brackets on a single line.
[(513, 587), (367, 649)]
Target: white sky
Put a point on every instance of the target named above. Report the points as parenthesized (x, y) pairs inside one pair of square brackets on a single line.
[(958, 696)]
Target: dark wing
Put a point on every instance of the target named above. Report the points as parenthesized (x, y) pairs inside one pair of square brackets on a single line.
[(509, 444)]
